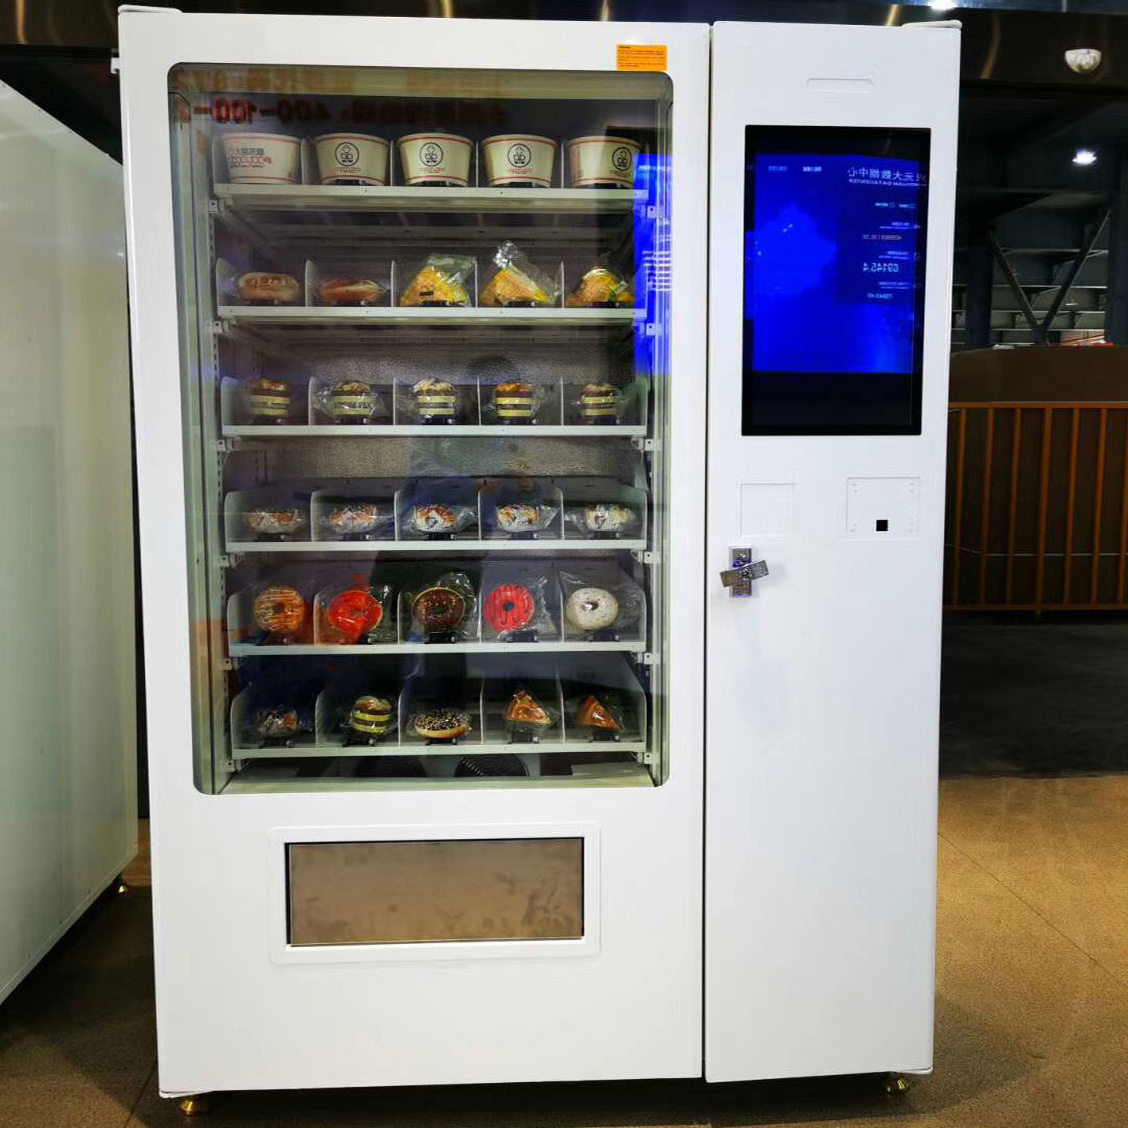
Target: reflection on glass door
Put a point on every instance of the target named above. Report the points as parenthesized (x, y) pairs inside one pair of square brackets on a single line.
[(425, 340)]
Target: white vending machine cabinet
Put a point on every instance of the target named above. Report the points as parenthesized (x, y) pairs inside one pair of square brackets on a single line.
[(419, 330), (833, 157), (418, 317)]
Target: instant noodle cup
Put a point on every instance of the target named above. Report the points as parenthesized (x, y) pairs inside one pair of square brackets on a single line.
[(262, 158), (602, 162), (352, 158), (436, 158), (519, 160)]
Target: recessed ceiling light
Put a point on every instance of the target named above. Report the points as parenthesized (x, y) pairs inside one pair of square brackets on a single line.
[(1084, 157), (943, 5)]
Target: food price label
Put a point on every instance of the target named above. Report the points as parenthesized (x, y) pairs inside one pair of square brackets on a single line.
[(640, 57)]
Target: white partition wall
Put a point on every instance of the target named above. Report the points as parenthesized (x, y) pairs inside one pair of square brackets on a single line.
[(68, 810), (833, 176)]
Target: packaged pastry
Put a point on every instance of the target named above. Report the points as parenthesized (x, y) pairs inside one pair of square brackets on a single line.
[(514, 604), (348, 401), (360, 613), (514, 402), (370, 718), (523, 518), (439, 282), (601, 519), (436, 401), (441, 723), (591, 609), (279, 610), (260, 287), (600, 287), (526, 716), (278, 723), (599, 712), (444, 608), (278, 522), (267, 401), (599, 604), (357, 520), (517, 282), (435, 520), (600, 404), (350, 291)]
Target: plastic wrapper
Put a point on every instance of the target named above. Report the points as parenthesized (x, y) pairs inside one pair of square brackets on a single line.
[(275, 522), (600, 288), (348, 401), (599, 404), (356, 519), (599, 713), (436, 520), (517, 282), (268, 401), (527, 715), (280, 612), (506, 396), (279, 723), (596, 609), (601, 519), (369, 718), (351, 291), (443, 609), (521, 518), (358, 613), (432, 400), (515, 606), (440, 723), (440, 281)]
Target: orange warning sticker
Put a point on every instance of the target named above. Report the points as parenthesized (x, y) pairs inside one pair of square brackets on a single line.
[(640, 56)]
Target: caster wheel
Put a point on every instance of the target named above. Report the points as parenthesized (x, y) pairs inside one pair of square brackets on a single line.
[(897, 1084), (196, 1105)]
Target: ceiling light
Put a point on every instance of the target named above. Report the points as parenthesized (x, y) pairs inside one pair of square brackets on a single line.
[(943, 5), (1084, 157)]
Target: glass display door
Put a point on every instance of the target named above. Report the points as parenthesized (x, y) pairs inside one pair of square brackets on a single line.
[(425, 342)]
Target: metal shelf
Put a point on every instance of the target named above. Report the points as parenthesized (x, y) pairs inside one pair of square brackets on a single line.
[(398, 198), (427, 318), (251, 650), (455, 546), (467, 748), (413, 430)]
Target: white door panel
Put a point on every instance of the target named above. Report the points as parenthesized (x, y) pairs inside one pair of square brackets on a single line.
[(823, 684)]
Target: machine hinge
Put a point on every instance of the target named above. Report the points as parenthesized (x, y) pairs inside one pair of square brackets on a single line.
[(644, 555)]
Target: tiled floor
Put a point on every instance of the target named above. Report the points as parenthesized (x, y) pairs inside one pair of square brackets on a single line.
[(1032, 1017)]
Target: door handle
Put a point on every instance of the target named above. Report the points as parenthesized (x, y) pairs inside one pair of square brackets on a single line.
[(742, 571)]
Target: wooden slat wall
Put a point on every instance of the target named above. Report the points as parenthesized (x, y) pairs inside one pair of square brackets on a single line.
[(1037, 506)]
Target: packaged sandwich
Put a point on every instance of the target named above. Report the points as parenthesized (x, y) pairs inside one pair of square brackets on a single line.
[(440, 282), (517, 282)]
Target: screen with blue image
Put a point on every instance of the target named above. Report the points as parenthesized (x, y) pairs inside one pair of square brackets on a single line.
[(834, 247)]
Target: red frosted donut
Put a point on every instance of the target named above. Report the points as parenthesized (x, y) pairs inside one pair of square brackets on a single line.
[(354, 612), (509, 607)]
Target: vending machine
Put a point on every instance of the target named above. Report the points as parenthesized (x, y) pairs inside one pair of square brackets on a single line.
[(436, 640)]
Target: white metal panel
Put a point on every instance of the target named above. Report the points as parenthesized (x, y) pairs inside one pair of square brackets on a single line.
[(823, 686), (230, 1017), (68, 810)]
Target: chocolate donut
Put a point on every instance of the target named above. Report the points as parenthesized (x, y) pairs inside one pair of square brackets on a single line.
[(279, 609), (438, 609)]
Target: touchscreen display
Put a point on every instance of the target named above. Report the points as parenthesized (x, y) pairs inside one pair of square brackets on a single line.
[(834, 255)]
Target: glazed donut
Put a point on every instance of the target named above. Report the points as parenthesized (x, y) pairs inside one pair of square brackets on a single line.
[(438, 609), (354, 613), (591, 609), (280, 610), (509, 607)]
